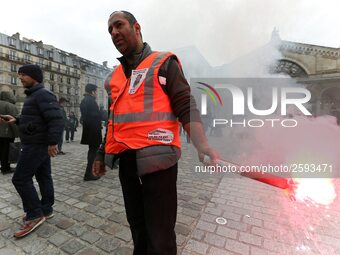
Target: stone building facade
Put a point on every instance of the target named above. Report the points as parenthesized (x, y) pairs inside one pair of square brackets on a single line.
[(65, 74), (318, 67)]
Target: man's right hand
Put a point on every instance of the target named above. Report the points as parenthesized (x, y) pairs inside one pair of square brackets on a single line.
[(7, 119), (98, 168)]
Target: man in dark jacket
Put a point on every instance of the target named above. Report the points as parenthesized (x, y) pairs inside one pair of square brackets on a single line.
[(91, 120), (7, 131), (40, 128)]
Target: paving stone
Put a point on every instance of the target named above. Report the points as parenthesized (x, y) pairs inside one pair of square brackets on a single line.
[(71, 201), (108, 244), (215, 240), (237, 247), (51, 250), (64, 224), (72, 246), (45, 231), (124, 234), (197, 234), (182, 229), (232, 216), (78, 230), (191, 206), (206, 226), (276, 247), (180, 240), (81, 216), (6, 251), (35, 247), (111, 229), (118, 217), (214, 211), (15, 214), (103, 213), (192, 213), (91, 237), (89, 251), (252, 221), (262, 232), (196, 246), (91, 209), (208, 217), (218, 251), (259, 251), (118, 208), (81, 205), (186, 220), (58, 239), (2, 244), (4, 225), (123, 251), (95, 222), (237, 225), (250, 238)]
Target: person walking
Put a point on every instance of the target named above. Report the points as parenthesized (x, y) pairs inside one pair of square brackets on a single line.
[(71, 127), (8, 132), (40, 128), (149, 94), (92, 127)]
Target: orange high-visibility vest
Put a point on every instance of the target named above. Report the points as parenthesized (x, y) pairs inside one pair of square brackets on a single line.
[(140, 113)]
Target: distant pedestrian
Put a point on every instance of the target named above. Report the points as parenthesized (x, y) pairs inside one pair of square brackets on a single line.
[(92, 124), (40, 128), (71, 127), (7, 131), (62, 102)]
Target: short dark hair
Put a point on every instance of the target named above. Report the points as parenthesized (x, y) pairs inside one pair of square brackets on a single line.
[(128, 15), (89, 88)]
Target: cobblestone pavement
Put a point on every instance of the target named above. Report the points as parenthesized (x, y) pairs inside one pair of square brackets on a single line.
[(90, 218)]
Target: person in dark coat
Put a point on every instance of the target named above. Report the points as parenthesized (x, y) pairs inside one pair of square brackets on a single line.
[(62, 103), (92, 134), (71, 127), (7, 131)]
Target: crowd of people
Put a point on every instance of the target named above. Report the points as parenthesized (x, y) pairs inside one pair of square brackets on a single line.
[(149, 98)]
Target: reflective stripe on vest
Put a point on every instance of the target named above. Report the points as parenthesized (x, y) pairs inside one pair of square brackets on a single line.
[(142, 118), (148, 114)]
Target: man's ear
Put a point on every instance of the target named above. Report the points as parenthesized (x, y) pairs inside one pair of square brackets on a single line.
[(137, 28)]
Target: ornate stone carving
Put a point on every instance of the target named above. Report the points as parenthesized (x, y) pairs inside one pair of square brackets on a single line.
[(290, 68)]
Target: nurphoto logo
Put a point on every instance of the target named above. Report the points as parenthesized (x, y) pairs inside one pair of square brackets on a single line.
[(243, 102)]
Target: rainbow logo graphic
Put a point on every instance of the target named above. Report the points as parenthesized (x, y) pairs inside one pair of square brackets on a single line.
[(209, 90)]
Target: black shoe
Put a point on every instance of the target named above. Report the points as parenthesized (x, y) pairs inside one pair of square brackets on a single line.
[(61, 153), (8, 171), (91, 178)]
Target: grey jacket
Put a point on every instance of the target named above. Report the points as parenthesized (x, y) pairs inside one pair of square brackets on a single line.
[(7, 107)]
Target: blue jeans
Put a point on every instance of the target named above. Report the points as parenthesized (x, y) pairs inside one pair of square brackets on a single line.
[(34, 161)]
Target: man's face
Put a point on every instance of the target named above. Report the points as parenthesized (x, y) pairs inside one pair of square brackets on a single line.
[(27, 81), (124, 35), (94, 93)]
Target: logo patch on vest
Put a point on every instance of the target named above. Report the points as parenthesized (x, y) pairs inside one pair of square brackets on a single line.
[(161, 135), (137, 78)]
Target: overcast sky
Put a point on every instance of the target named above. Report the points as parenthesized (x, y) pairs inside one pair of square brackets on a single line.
[(221, 29)]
